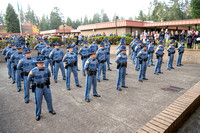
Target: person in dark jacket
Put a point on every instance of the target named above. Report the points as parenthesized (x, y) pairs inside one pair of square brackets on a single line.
[(196, 40), (189, 40)]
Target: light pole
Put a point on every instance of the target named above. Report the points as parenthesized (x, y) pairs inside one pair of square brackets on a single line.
[(64, 28), (116, 23)]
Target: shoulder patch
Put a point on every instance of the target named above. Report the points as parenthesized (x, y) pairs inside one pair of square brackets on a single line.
[(140, 52), (42, 49), (119, 55), (65, 55), (170, 46), (11, 55), (19, 62), (87, 62), (51, 52), (158, 48), (97, 52), (31, 73), (49, 70)]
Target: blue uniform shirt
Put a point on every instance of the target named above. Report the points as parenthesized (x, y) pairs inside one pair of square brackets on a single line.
[(137, 48), (56, 54), (181, 47), (171, 49), (143, 54), (70, 58), (150, 47), (6, 49), (91, 64), (159, 50), (26, 64), (133, 45), (75, 48), (39, 76), (101, 54), (121, 58), (107, 48), (84, 51), (39, 47), (15, 57), (46, 51), (9, 53), (94, 46)]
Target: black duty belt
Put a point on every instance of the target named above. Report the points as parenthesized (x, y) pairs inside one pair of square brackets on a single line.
[(90, 73), (25, 73), (58, 61), (102, 61), (41, 85)]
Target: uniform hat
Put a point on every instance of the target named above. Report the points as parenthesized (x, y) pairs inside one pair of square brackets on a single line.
[(106, 41), (56, 44), (182, 40), (148, 38), (144, 45), (8, 41), (41, 39), (12, 43), (73, 40), (93, 39), (173, 41), (160, 42), (40, 59), (70, 46), (47, 42), (151, 40), (85, 42), (18, 46), (137, 39), (140, 41), (92, 51), (102, 44), (27, 50), (122, 48)]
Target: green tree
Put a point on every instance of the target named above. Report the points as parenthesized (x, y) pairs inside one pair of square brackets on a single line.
[(195, 10), (30, 17), (69, 21), (55, 18), (11, 20), (44, 24), (96, 18), (130, 18), (105, 18), (141, 16), (85, 21), (2, 16), (175, 12)]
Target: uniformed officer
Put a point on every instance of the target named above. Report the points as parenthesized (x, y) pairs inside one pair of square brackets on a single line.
[(142, 56), (131, 57), (121, 61), (137, 50), (75, 50), (94, 45), (147, 42), (71, 65), (7, 57), (5, 50), (91, 66), (133, 45), (180, 52), (171, 52), (109, 46), (41, 79), (15, 57), (159, 57), (40, 46), (122, 43), (107, 49), (101, 56), (150, 53), (26, 64), (45, 52), (84, 52), (57, 55)]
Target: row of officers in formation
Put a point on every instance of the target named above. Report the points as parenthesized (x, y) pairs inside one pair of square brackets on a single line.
[(35, 74)]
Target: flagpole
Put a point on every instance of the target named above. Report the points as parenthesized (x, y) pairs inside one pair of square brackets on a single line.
[(20, 26)]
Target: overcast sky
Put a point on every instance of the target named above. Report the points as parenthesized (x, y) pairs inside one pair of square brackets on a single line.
[(76, 9)]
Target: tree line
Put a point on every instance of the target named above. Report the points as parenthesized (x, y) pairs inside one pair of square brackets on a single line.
[(157, 11)]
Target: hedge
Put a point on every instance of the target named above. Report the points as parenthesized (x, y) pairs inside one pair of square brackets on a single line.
[(112, 39)]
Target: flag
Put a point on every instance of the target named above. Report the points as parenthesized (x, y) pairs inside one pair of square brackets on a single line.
[(18, 6)]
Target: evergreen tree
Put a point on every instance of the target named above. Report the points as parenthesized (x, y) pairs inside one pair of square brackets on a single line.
[(44, 24), (105, 18), (195, 10), (96, 18), (85, 21), (2, 16), (69, 21), (55, 18), (11, 20)]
